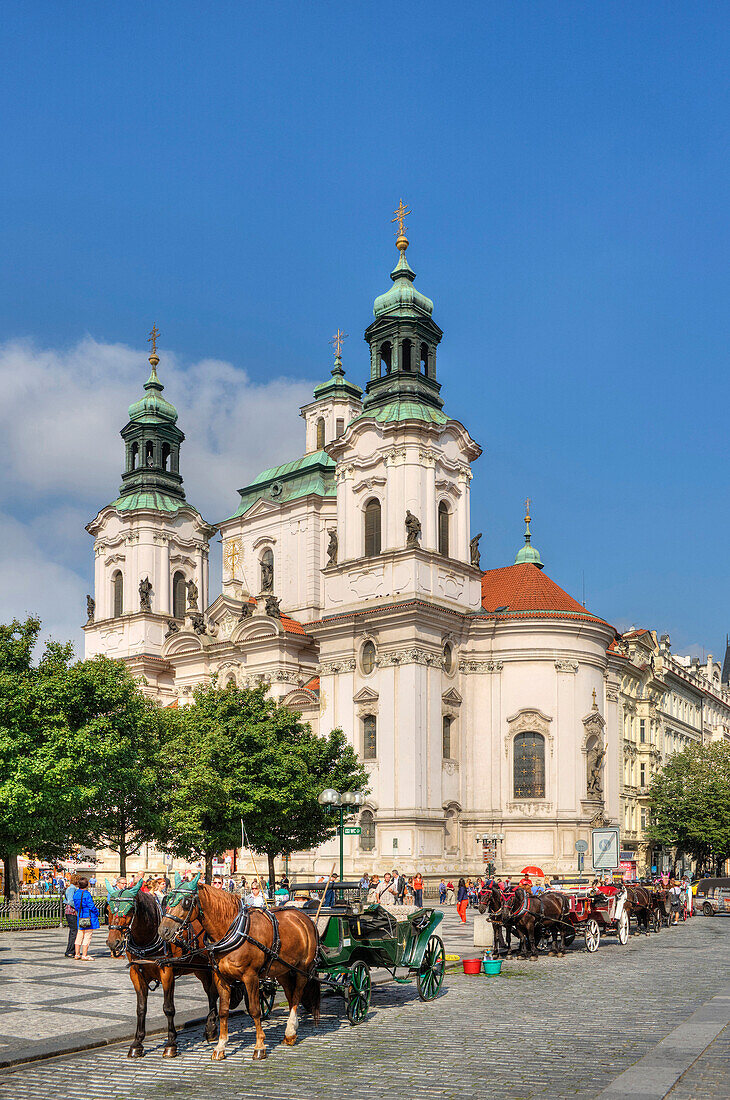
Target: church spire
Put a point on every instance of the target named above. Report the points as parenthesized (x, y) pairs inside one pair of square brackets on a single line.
[(403, 339), (529, 554), (152, 439)]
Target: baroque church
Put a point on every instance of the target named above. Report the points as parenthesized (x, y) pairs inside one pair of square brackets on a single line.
[(484, 704)]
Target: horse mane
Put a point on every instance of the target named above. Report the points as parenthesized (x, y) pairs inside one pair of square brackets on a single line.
[(148, 911), (219, 903)]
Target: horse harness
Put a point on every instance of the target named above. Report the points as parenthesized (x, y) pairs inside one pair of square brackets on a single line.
[(238, 934)]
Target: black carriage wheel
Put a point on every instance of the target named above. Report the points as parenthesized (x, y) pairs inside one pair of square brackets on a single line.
[(358, 993), (430, 975), (657, 922), (267, 994)]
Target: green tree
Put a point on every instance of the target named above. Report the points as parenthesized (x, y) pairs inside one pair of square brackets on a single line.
[(238, 754), (690, 803)]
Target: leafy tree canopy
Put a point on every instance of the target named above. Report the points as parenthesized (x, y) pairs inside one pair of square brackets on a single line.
[(690, 803)]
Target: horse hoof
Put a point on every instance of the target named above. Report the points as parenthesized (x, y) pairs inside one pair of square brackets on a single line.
[(259, 1054), (533, 958), (218, 1056), (290, 1040), (170, 1051), (135, 1052)]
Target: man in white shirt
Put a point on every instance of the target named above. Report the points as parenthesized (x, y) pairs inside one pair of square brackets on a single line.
[(386, 891)]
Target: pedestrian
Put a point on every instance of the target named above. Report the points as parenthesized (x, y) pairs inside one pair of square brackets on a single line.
[(71, 917), (255, 899), (386, 891), (675, 898), (217, 882), (88, 919), (442, 891), (462, 900), (450, 898), (418, 889)]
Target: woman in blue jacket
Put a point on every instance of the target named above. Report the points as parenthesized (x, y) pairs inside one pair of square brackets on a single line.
[(88, 918)]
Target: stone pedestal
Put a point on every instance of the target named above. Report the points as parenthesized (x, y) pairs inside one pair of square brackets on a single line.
[(483, 932)]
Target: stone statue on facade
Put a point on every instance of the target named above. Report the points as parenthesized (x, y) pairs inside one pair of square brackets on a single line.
[(594, 767), (246, 611), (474, 551), (198, 622), (90, 610), (267, 576), (332, 548), (172, 628), (272, 607), (413, 529), (145, 595), (192, 595)]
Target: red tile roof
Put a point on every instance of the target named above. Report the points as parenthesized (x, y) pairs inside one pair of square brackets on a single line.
[(313, 684), (291, 626), (522, 590)]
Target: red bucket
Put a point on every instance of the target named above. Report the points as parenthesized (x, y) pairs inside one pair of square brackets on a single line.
[(472, 966)]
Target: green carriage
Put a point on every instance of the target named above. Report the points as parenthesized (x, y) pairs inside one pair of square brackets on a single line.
[(356, 937)]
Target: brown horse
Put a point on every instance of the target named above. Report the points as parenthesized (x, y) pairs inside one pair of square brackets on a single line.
[(134, 918), (247, 945), (529, 914), (492, 903), (640, 902)]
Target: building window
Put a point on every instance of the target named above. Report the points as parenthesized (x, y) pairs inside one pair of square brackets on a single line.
[(642, 774), (643, 817), (529, 765), (424, 358), (178, 596), (267, 570), (642, 730), (320, 434), (405, 355), (372, 528), (443, 529), (446, 736), (369, 737), (386, 357), (165, 456), (367, 831), (367, 658), (448, 658), (118, 594), (134, 456), (149, 455), (340, 427)]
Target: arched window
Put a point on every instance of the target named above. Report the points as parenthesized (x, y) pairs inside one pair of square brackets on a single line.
[(178, 596), (118, 594), (405, 355), (372, 528), (446, 723), (529, 765), (267, 570), (320, 434), (369, 737), (386, 357), (149, 454), (443, 525), (165, 456), (448, 658), (367, 657), (367, 831), (134, 456), (424, 358)]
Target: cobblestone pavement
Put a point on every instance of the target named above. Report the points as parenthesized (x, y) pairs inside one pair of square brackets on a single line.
[(707, 1078), (556, 1027)]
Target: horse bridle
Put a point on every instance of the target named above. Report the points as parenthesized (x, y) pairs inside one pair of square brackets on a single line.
[(185, 937), (126, 944)]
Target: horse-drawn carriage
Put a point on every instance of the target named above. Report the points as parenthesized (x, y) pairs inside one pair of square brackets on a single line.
[(595, 914), (355, 936)]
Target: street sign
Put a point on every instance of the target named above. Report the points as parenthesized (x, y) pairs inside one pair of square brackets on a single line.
[(605, 847), (581, 845), (352, 830)]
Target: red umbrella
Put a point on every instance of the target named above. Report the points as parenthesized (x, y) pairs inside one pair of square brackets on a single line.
[(537, 872)]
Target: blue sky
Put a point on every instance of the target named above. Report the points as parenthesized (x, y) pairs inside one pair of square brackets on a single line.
[(229, 171)]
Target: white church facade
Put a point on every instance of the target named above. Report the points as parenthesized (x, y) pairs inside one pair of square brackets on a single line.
[(482, 703)]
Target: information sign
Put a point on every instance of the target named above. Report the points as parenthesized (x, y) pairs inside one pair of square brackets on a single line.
[(605, 848), (581, 845), (352, 830)]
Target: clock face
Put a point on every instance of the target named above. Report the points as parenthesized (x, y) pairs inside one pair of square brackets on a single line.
[(232, 557)]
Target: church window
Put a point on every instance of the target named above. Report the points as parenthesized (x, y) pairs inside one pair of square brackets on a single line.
[(267, 570), (134, 456), (386, 357), (118, 594), (372, 528), (340, 427), (369, 737), (443, 532), (529, 765), (446, 723), (320, 434), (424, 358), (149, 455), (405, 355), (367, 831), (367, 657), (166, 456), (178, 596), (448, 658)]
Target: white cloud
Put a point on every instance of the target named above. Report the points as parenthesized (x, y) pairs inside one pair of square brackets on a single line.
[(61, 454)]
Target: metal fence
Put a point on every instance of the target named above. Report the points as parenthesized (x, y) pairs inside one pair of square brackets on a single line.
[(48, 912)]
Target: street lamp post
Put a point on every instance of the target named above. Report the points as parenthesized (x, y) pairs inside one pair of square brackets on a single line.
[(342, 800)]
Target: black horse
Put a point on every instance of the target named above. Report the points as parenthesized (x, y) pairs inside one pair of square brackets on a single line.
[(531, 915), (491, 902)]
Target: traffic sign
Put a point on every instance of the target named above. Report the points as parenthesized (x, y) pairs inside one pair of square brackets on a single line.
[(605, 849), (581, 845), (352, 830)]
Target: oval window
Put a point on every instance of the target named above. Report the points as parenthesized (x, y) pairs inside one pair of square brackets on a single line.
[(448, 658), (367, 658)]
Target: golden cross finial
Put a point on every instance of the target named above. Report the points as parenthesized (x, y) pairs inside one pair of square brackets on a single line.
[(400, 214), (152, 338), (528, 502), (594, 697), (336, 342)]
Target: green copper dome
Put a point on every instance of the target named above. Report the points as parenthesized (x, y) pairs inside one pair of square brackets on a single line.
[(403, 298), (337, 385), (153, 408), (528, 554)]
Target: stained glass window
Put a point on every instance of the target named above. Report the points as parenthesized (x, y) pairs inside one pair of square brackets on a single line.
[(367, 834), (446, 737), (443, 529), (178, 596), (368, 657), (118, 594), (529, 765), (370, 737), (372, 528)]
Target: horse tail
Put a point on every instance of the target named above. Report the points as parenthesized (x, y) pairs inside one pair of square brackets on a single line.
[(311, 998)]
